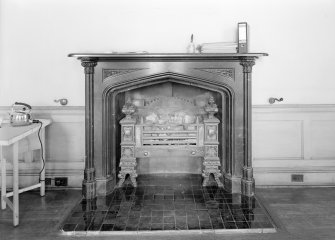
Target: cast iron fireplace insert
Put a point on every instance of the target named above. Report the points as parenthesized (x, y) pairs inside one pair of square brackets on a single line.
[(167, 113)]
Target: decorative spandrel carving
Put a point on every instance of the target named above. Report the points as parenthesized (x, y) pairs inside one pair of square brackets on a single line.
[(106, 73), (224, 72)]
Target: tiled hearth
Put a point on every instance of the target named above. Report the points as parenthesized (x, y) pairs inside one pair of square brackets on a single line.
[(168, 203)]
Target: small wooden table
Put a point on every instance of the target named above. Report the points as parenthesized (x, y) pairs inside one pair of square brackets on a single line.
[(11, 135)]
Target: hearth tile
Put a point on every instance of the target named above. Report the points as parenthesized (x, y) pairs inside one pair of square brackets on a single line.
[(169, 220), (189, 196), (178, 197), (81, 227), (239, 217), (254, 224), (179, 207), (168, 206), (144, 226), (201, 206), (132, 220), (136, 208), (217, 225), (190, 207), (107, 227), (131, 227), (230, 225), (198, 196), (134, 214), (193, 224), (74, 220), (145, 219), (122, 220), (169, 196), (242, 225), (181, 226), (119, 227), (148, 197), (156, 220), (69, 227), (158, 196), (156, 226), (77, 214), (168, 213), (169, 226), (206, 224), (146, 213), (180, 213), (191, 213), (110, 221), (157, 213), (95, 226), (203, 214), (157, 207)]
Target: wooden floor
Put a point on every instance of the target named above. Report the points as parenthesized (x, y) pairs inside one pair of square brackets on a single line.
[(300, 213)]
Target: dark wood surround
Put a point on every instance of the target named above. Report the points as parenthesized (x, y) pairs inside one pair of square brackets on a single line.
[(110, 75)]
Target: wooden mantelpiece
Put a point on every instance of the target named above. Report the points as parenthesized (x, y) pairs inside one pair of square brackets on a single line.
[(108, 76)]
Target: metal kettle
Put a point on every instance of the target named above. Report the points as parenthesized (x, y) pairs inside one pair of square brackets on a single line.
[(20, 114)]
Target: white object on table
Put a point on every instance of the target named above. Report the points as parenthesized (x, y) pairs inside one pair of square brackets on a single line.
[(11, 135)]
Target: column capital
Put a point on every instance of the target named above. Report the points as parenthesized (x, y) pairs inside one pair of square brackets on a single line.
[(247, 64), (89, 64)]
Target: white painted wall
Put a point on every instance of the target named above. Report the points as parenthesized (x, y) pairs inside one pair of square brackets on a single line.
[(37, 35)]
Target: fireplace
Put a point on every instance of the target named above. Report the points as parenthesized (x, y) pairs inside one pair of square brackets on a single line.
[(167, 113), (170, 127)]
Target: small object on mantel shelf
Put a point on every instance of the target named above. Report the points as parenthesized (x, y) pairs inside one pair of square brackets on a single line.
[(62, 101), (273, 100), (191, 46)]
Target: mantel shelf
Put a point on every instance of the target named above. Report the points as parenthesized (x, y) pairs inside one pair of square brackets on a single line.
[(167, 56)]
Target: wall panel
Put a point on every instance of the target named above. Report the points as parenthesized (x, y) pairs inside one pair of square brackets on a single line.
[(287, 139)]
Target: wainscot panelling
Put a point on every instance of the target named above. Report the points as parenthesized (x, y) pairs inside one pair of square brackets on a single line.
[(294, 139), (287, 139)]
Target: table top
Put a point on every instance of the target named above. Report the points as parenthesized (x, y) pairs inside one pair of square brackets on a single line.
[(10, 134)]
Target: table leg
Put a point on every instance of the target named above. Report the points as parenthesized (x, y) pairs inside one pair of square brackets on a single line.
[(42, 177), (3, 179), (16, 183)]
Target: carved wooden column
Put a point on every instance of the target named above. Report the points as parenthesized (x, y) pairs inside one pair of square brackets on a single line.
[(248, 181), (211, 145), (89, 182), (128, 160)]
